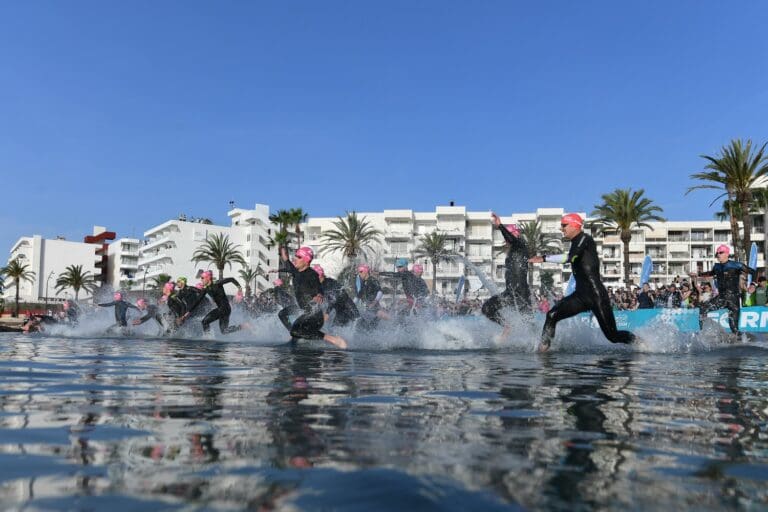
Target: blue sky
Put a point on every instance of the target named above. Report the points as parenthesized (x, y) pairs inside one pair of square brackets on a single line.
[(125, 114)]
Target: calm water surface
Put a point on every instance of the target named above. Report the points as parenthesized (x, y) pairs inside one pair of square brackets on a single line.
[(118, 424)]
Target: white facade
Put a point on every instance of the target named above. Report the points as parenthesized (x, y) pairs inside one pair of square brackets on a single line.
[(470, 234), (168, 247), (48, 259), (676, 248), (123, 262)]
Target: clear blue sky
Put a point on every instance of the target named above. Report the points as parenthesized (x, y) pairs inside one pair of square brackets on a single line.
[(125, 114)]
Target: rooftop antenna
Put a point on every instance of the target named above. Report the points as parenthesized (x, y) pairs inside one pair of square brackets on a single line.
[(231, 205)]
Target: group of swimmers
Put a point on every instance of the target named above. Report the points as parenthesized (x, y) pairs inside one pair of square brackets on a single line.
[(590, 294), (319, 300)]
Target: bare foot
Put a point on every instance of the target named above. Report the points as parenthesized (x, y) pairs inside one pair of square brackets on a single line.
[(335, 340)]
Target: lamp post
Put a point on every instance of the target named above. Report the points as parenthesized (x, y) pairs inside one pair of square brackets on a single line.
[(46, 290)]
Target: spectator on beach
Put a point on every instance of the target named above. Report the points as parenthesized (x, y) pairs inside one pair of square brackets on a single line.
[(760, 292), (750, 295), (645, 298)]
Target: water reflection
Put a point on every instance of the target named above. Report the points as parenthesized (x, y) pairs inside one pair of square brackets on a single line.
[(164, 424)]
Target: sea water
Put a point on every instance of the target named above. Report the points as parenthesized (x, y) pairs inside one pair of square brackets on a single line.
[(439, 416)]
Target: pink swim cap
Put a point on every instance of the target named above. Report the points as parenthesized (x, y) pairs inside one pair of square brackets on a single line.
[(117, 296), (363, 268), (141, 302), (319, 270), (512, 228), (723, 248), (305, 253), (239, 296), (207, 274), (278, 282), (417, 268), (572, 219), (168, 288)]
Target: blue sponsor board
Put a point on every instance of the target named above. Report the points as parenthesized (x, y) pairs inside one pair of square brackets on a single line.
[(684, 320), (752, 319)]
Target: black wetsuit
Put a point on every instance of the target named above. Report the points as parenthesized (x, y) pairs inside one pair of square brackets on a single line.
[(306, 286), (150, 313), (517, 294), (414, 289), (121, 309), (589, 295), (369, 290), (337, 299), (222, 310), (728, 276), (188, 296)]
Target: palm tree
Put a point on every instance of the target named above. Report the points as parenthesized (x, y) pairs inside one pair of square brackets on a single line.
[(74, 277), (282, 219), (432, 246), (352, 236), (17, 272), (217, 249), (249, 275), (159, 281), (622, 210), (297, 216), (735, 171), (538, 242)]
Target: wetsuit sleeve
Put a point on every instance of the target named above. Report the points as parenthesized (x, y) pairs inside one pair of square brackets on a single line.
[(555, 258), (749, 270), (146, 318), (200, 299), (508, 237), (230, 280), (106, 304)]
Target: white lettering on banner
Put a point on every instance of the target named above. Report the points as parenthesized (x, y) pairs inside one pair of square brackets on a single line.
[(749, 319)]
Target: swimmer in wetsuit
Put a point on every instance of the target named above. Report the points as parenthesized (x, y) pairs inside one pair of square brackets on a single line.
[(309, 296), (590, 294), (728, 275), (517, 294), (150, 312), (121, 310), (336, 299), (216, 291)]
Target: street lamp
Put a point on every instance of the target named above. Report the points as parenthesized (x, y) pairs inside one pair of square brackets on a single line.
[(46, 290)]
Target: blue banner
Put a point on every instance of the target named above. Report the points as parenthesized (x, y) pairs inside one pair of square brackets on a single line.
[(752, 319), (684, 320)]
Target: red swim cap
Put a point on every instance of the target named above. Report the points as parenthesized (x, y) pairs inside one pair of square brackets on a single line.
[(572, 219)]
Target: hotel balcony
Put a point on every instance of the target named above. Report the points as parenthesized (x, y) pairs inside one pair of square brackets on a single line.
[(398, 214), (143, 262), (397, 235), (155, 244)]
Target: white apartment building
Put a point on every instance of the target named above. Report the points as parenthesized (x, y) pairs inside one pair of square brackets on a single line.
[(470, 234), (676, 248), (123, 263), (48, 259), (168, 247)]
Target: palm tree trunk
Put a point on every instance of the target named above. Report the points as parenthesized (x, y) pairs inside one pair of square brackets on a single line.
[(747, 221), (734, 230), (434, 276), (221, 272), (625, 240), (17, 299)]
